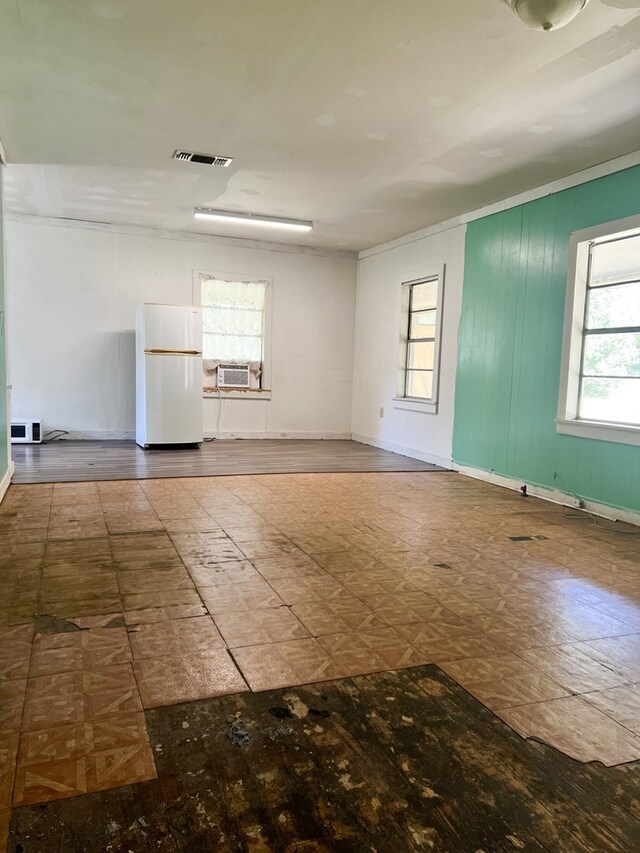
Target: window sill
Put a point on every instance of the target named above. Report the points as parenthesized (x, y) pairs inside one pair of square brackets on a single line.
[(237, 394), (601, 432), (427, 407)]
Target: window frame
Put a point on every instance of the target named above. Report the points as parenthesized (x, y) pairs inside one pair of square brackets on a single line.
[(264, 392), (402, 400), (568, 421)]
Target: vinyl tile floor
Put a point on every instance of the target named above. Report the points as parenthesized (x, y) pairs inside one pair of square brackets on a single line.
[(123, 596)]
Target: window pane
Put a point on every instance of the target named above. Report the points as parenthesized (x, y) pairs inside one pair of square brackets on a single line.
[(615, 261), (423, 325), (424, 295), (232, 347), (233, 294), (614, 306), (420, 356), (419, 384), (612, 355), (232, 321), (611, 400)]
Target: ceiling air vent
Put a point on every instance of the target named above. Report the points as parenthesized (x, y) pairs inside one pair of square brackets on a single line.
[(207, 159)]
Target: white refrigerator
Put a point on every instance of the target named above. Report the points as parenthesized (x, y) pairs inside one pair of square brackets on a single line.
[(168, 374)]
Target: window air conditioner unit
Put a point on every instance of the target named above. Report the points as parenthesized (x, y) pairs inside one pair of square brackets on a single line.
[(233, 376), (26, 431)]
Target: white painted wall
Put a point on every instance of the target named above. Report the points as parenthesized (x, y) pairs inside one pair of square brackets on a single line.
[(381, 272), (72, 293)]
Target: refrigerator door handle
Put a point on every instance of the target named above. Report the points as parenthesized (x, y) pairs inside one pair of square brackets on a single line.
[(173, 352)]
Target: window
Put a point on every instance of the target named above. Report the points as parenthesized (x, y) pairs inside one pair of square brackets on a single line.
[(418, 381), (233, 327), (600, 396)]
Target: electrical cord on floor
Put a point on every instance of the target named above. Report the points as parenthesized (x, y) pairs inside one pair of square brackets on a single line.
[(591, 516), (219, 412), (56, 433), (214, 438)]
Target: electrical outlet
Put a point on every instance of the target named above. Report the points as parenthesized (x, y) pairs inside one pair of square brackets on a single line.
[(573, 502), (381, 411)]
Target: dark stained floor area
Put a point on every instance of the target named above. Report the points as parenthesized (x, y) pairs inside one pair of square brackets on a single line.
[(391, 762), (73, 461)]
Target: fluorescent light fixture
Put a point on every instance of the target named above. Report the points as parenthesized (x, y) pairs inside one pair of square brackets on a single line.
[(252, 219)]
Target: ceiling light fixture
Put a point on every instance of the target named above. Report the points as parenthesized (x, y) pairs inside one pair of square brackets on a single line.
[(547, 14), (252, 219)]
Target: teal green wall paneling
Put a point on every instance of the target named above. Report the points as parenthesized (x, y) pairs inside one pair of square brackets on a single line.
[(510, 343), (4, 439)]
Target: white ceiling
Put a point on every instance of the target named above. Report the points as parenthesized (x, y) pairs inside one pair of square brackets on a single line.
[(371, 117)]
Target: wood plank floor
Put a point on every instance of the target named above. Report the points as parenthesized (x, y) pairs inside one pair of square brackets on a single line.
[(393, 762), (77, 461)]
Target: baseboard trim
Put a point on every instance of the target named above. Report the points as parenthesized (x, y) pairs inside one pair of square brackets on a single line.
[(105, 435), (401, 450), (6, 480), (311, 436), (556, 496)]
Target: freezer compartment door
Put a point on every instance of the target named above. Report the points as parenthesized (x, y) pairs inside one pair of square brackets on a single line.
[(173, 404), (172, 327)]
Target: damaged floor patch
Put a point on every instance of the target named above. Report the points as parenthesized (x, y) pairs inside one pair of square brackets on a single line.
[(392, 748)]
